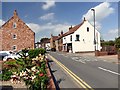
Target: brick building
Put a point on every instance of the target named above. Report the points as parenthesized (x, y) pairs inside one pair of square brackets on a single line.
[(52, 41), (59, 42), (15, 35)]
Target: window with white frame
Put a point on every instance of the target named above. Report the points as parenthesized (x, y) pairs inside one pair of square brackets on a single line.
[(14, 36), (14, 25), (87, 29), (77, 37), (14, 47)]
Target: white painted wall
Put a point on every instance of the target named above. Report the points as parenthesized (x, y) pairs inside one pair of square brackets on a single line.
[(86, 42), (66, 39), (47, 45)]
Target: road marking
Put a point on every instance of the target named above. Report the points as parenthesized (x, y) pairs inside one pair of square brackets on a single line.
[(81, 61), (75, 58), (82, 83), (108, 71)]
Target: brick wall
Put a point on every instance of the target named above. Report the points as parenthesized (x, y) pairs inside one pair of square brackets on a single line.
[(16, 33)]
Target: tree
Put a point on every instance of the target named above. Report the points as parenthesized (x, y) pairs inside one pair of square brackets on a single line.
[(117, 42), (44, 39), (107, 43)]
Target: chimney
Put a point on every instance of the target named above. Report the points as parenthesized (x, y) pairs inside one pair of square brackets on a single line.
[(61, 32), (15, 13), (70, 27), (84, 19)]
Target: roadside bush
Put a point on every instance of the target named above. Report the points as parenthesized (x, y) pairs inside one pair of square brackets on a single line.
[(6, 75), (30, 70), (35, 52)]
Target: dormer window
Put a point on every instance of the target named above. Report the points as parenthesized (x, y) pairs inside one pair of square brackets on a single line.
[(14, 25)]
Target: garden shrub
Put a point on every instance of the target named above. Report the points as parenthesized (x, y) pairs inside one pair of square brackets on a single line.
[(30, 68), (35, 52), (6, 75)]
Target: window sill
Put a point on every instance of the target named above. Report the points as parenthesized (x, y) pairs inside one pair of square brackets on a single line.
[(77, 40)]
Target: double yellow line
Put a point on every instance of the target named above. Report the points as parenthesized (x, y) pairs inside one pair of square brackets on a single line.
[(82, 83)]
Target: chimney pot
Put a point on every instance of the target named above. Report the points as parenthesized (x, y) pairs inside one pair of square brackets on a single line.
[(61, 32), (70, 27)]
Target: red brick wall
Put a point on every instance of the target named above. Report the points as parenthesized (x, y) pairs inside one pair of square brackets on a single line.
[(25, 36)]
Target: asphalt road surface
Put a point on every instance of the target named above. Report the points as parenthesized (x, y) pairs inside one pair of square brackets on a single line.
[(95, 72)]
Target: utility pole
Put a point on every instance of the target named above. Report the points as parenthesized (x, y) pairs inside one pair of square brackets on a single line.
[(94, 27)]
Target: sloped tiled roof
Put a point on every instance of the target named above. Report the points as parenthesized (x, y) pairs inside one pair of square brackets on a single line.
[(72, 30), (54, 38), (59, 37)]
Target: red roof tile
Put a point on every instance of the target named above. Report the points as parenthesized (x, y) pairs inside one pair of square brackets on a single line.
[(72, 30), (54, 38)]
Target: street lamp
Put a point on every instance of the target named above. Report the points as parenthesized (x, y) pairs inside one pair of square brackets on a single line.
[(94, 27)]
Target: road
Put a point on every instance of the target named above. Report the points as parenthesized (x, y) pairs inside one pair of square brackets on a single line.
[(61, 78), (95, 72)]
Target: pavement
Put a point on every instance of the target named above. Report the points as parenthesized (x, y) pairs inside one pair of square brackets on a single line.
[(98, 72), (62, 79)]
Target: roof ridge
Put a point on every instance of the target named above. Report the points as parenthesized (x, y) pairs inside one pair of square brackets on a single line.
[(72, 30)]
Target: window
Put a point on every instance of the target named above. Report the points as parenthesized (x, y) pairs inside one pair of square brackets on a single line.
[(14, 36), (14, 25), (14, 47), (87, 29), (71, 38), (77, 37)]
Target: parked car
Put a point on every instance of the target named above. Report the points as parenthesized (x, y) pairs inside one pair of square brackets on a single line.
[(3, 54), (6, 55)]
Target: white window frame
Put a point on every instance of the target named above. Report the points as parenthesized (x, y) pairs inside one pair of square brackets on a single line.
[(77, 37), (88, 29), (13, 47), (70, 37), (14, 37), (14, 25)]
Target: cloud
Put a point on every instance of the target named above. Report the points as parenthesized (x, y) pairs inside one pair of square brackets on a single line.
[(114, 31), (48, 16), (48, 4), (111, 34), (1, 22), (48, 29), (35, 27), (101, 11), (53, 28)]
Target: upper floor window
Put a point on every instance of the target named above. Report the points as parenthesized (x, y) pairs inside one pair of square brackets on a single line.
[(14, 36), (14, 25), (77, 37), (87, 29), (71, 38)]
